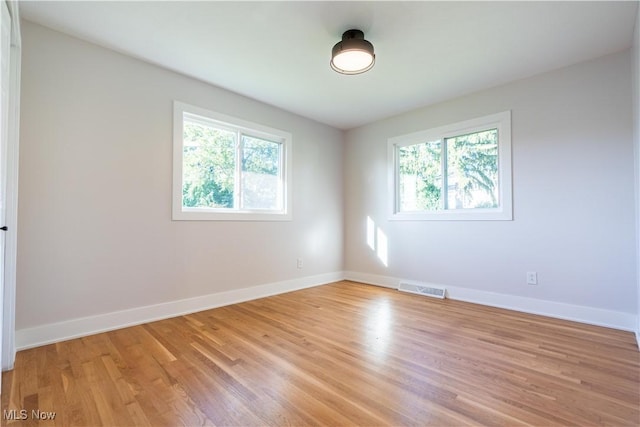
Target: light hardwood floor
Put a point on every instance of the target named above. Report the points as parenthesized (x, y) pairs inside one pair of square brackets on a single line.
[(340, 354)]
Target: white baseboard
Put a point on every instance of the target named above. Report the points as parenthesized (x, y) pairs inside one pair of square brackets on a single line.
[(75, 328), (591, 315)]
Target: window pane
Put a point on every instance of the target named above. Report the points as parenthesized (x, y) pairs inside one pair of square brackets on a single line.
[(261, 184), (472, 170), (208, 171), (420, 177)]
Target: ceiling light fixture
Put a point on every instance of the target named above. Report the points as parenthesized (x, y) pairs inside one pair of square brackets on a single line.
[(352, 55)]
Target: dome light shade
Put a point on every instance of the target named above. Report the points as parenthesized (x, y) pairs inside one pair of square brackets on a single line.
[(352, 55)]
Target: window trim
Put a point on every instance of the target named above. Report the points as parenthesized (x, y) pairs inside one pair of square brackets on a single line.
[(500, 121), (180, 213)]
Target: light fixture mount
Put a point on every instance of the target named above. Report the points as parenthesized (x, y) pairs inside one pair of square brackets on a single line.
[(352, 55)]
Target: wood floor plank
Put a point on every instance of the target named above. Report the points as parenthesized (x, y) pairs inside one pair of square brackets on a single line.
[(339, 354)]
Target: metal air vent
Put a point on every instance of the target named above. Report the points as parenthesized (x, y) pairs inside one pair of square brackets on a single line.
[(429, 291)]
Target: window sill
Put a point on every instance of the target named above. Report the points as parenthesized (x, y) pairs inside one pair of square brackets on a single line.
[(455, 215), (209, 215)]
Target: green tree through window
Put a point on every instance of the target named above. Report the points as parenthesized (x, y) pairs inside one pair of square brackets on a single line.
[(472, 168), (208, 167), (229, 169), (225, 169), (459, 172), (260, 173)]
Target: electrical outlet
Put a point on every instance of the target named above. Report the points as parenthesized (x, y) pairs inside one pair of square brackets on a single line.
[(300, 263), (532, 278)]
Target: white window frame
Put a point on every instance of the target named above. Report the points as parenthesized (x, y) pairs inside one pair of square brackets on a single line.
[(224, 121), (500, 121)]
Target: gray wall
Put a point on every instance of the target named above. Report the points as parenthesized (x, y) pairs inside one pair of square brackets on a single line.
[(95, 229), (573, 192)]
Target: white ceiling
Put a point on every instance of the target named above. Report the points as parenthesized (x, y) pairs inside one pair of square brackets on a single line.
[(278, 52)]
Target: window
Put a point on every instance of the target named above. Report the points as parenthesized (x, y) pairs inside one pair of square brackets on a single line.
[(456, 172), (229, 169)]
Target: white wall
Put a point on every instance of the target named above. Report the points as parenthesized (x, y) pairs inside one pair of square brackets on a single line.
[(95, 232), (573, 183)]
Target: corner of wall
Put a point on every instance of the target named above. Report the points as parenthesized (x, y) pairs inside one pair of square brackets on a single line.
[(636, 144)]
